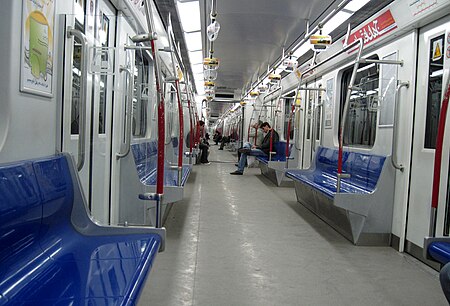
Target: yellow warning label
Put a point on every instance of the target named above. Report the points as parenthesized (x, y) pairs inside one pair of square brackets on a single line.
[(437, 50)]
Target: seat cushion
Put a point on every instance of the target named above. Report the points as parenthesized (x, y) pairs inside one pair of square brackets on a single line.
[(440, 251)]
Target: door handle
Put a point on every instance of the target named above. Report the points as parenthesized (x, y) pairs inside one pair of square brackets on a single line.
[(128, 112), (71, 32)]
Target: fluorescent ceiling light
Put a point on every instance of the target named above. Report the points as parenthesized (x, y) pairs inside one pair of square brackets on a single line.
[(189, 13), (334, 22), (302, 50), (355, 5), (198, 68), (195, 57), (193, 40)]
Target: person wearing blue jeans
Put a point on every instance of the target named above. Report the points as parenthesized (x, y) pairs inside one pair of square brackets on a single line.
[(262, 150), (444, 278)]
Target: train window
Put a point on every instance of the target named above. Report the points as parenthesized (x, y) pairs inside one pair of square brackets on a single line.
[(318, 114), (360, 128), (140, 100), (104, 39), (170, 110), (309, 114), (436, 66), (289, 99), (329, 104), (76, 83), (388, 82)]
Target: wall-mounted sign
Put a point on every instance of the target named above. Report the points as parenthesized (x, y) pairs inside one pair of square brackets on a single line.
[(36, 71), (419, 6), (437, 50), (374, 29)]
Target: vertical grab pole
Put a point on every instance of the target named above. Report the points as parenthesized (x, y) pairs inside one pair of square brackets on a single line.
[(161, 119), (181, 137), (344, 115), (438, 160), (289, 134), (191, 135), (180, 106)]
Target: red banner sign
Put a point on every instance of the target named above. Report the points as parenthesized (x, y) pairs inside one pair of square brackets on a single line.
[(376, 28)]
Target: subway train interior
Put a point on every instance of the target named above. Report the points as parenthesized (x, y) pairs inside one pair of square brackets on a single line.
[(224, 152)]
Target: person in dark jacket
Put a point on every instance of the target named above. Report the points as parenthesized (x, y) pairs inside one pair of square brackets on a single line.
[(262, 150)]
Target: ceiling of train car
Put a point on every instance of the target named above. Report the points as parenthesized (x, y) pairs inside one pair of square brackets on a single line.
[(252, 37), (254, 33)]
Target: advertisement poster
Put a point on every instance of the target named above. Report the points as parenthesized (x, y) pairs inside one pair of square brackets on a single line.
[(36, 75)]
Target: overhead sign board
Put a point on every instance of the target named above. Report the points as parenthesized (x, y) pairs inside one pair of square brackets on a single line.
[(374, 29)]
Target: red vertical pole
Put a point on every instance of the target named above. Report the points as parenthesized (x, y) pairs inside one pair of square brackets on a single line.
[(197, 130), (161, 132), (271, 144), (248, 132), (181, 121), (289, 131), (191, 129), (438, 162), (438, 153)]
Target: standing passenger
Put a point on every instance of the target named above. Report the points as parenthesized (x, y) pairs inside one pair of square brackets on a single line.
[(262, 150)]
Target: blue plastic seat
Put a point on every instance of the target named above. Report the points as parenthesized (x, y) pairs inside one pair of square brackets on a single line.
[(280, 148), (440, 251), (49, 258), (364, 170), (145, 157)]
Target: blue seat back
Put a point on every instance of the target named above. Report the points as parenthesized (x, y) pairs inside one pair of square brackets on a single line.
[(36, 200), (365, 169), (146, 159), (280, 148), (20, 210)]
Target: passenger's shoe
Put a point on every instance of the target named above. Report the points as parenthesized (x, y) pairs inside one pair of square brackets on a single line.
[(244, 150), (220, 148), (237, 172), (206, 163)]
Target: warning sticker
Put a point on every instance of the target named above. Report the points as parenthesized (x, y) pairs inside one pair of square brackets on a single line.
[(437, 50)]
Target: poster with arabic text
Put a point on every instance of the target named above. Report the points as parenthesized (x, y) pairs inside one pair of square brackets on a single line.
[(36, 71)]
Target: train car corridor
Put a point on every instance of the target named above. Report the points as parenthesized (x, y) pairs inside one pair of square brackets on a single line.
[(240, 240)]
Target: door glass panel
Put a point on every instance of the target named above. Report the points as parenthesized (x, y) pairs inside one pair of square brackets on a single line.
[(360, 127), (435, 68), (309, 115), (140, 101), (76, 83), (103, 38), (317, 114), (387, 91)]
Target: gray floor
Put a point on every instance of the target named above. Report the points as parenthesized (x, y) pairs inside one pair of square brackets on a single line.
[(239, 240)]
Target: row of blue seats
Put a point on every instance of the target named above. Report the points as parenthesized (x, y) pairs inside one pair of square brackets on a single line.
[(145, 156), (274, 167), (52, 253), (280, 153), (362, 209), (364, 170)]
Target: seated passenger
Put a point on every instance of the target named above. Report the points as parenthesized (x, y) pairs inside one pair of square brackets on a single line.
[(217, 137), (203, 145), (225, 140), (262, 150)]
